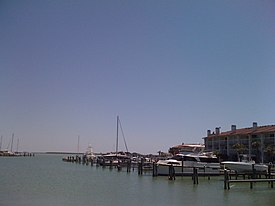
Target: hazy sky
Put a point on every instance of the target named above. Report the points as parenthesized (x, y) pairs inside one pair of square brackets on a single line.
[(169, 69)]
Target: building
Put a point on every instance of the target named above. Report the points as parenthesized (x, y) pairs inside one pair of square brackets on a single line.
[(258, 142)]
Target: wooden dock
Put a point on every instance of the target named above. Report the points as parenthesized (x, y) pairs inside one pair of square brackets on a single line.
[(251, 180), (230, 177)]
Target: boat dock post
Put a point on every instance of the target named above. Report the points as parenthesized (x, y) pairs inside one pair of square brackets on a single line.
[(103, 163), (119, 167), (195, 176), (172, 174), (140, 167), (155, 169), (111, 165), (226, 179), (129, 166)]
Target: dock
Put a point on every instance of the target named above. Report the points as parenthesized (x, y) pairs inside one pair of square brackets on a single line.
[(142, 167), (252, 179)]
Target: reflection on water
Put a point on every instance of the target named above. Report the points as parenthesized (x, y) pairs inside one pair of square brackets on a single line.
[(46, 180)]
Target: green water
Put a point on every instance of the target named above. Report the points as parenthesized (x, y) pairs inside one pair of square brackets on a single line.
[(45, 180)]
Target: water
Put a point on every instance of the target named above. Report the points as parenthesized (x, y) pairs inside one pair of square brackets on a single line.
[(46, 180)]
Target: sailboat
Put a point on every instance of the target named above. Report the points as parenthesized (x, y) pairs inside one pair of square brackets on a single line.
[(8, 152), (117, 157)]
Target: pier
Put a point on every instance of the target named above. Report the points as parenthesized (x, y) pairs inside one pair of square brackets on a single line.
[(144, 167), (252, 178), (141, 167)]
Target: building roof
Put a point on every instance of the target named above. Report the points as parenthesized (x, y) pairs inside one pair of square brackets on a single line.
[(188, 146), (247, 131)]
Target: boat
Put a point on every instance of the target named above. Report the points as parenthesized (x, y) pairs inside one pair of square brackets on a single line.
[(117, 158), (89, 154), (245, 166), (183, 164), (113, 159)]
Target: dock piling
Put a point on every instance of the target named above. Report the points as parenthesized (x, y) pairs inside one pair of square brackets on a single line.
[(155, 170), (195, 176), (172, 174)]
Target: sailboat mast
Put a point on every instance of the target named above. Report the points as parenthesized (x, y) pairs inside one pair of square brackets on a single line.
[(1, 143), (123, 136), (12, 141), (78, 144), (117, 119), (17, 145)]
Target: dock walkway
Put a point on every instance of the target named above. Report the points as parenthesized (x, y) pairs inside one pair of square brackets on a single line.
[(228, 180)]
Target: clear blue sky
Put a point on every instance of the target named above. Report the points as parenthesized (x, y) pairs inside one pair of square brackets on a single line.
[(169, 69)]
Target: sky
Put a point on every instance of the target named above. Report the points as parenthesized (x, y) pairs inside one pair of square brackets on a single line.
[(171, 70)]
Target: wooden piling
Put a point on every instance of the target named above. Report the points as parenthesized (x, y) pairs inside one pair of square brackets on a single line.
[(155, 169), (128, 166), (172, 175), (253, 172), (226, 180), (195, 176), (140, 168), (111, 164), (269, 171), (119, 166)]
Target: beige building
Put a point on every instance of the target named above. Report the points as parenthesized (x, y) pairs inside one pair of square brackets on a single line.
[(258, 142)]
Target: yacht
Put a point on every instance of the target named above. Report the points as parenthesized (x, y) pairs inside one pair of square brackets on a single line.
[(89, 154), (245, 165), (183, 164)]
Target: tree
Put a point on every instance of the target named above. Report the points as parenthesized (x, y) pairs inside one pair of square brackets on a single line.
[(240, 148), (257, 145), (270, 152)]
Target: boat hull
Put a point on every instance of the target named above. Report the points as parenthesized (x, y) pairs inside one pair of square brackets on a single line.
[(245, 166), (188, 169)]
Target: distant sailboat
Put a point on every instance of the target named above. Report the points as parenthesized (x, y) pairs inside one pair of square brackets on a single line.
[(7, 151), (117, 135), (114, 158)]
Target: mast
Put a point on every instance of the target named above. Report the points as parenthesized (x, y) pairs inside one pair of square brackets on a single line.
[(12, 141), (123, 136), (17, 145), (117, 119), (78, 144), (1, 142)]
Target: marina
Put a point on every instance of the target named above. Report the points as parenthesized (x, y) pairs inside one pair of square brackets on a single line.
[(183, 167), (46, 180), (188, 84)]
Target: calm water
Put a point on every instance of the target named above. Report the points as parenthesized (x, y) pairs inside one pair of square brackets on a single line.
[(46, 180)]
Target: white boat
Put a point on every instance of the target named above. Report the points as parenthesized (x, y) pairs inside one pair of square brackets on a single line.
[(183, 164), (113, 159), (246, 166), (89, 153)]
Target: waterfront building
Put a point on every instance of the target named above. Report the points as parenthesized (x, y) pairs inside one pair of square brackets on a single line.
[(258, 142)]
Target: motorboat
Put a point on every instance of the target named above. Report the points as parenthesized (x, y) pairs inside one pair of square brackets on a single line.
[(245, 166), (183, 164), (89, 154)]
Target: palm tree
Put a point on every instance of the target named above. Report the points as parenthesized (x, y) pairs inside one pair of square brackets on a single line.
[(257, 145), (270, 152), (240, 148)]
